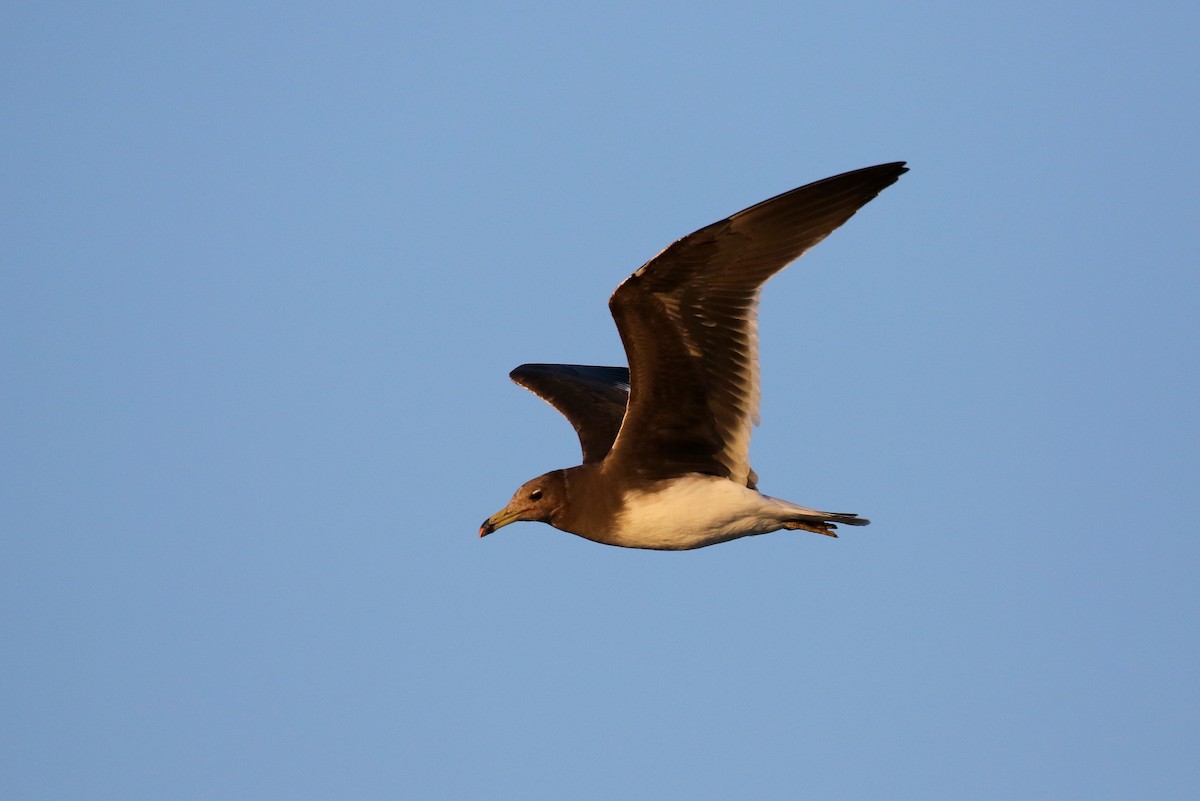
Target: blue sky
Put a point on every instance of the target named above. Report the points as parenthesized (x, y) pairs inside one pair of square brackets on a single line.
[(265, 268)]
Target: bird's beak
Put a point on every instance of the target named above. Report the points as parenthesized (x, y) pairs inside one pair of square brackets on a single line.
[(499, 520)]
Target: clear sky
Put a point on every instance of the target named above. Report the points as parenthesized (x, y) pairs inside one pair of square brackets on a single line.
[(265, 268)]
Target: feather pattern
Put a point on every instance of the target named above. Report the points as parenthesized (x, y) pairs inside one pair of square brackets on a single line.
[(592, 399), (688, 320)]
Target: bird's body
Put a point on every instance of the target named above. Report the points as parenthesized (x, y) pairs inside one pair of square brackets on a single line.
[(666, 442), (698, 510)]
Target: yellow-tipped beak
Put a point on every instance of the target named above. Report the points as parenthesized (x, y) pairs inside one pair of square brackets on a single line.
[(499, 520)]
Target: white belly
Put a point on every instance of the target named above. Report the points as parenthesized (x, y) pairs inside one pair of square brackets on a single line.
[(695, 511)]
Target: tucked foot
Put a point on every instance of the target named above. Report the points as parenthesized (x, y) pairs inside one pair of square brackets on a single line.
[(817, 528)]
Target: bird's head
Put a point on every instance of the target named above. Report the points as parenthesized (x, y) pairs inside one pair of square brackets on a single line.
[(538, 499)]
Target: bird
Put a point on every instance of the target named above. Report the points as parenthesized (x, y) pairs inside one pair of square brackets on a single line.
[(665, 442)]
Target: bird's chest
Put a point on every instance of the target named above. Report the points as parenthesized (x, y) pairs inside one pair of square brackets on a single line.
[(690, 512)]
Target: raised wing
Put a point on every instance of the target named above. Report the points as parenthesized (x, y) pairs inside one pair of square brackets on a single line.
[(688, 320), (592, 398)]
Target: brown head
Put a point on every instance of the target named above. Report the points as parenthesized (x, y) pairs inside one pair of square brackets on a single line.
[(538, 499)]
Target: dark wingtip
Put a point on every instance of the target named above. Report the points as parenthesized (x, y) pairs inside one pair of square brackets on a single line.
[(892, 170), (889, 172)]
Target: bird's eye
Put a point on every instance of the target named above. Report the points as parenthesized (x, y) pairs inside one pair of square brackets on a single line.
[(536, 495)]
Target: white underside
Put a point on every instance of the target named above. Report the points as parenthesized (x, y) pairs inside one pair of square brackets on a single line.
[(698, 510)]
